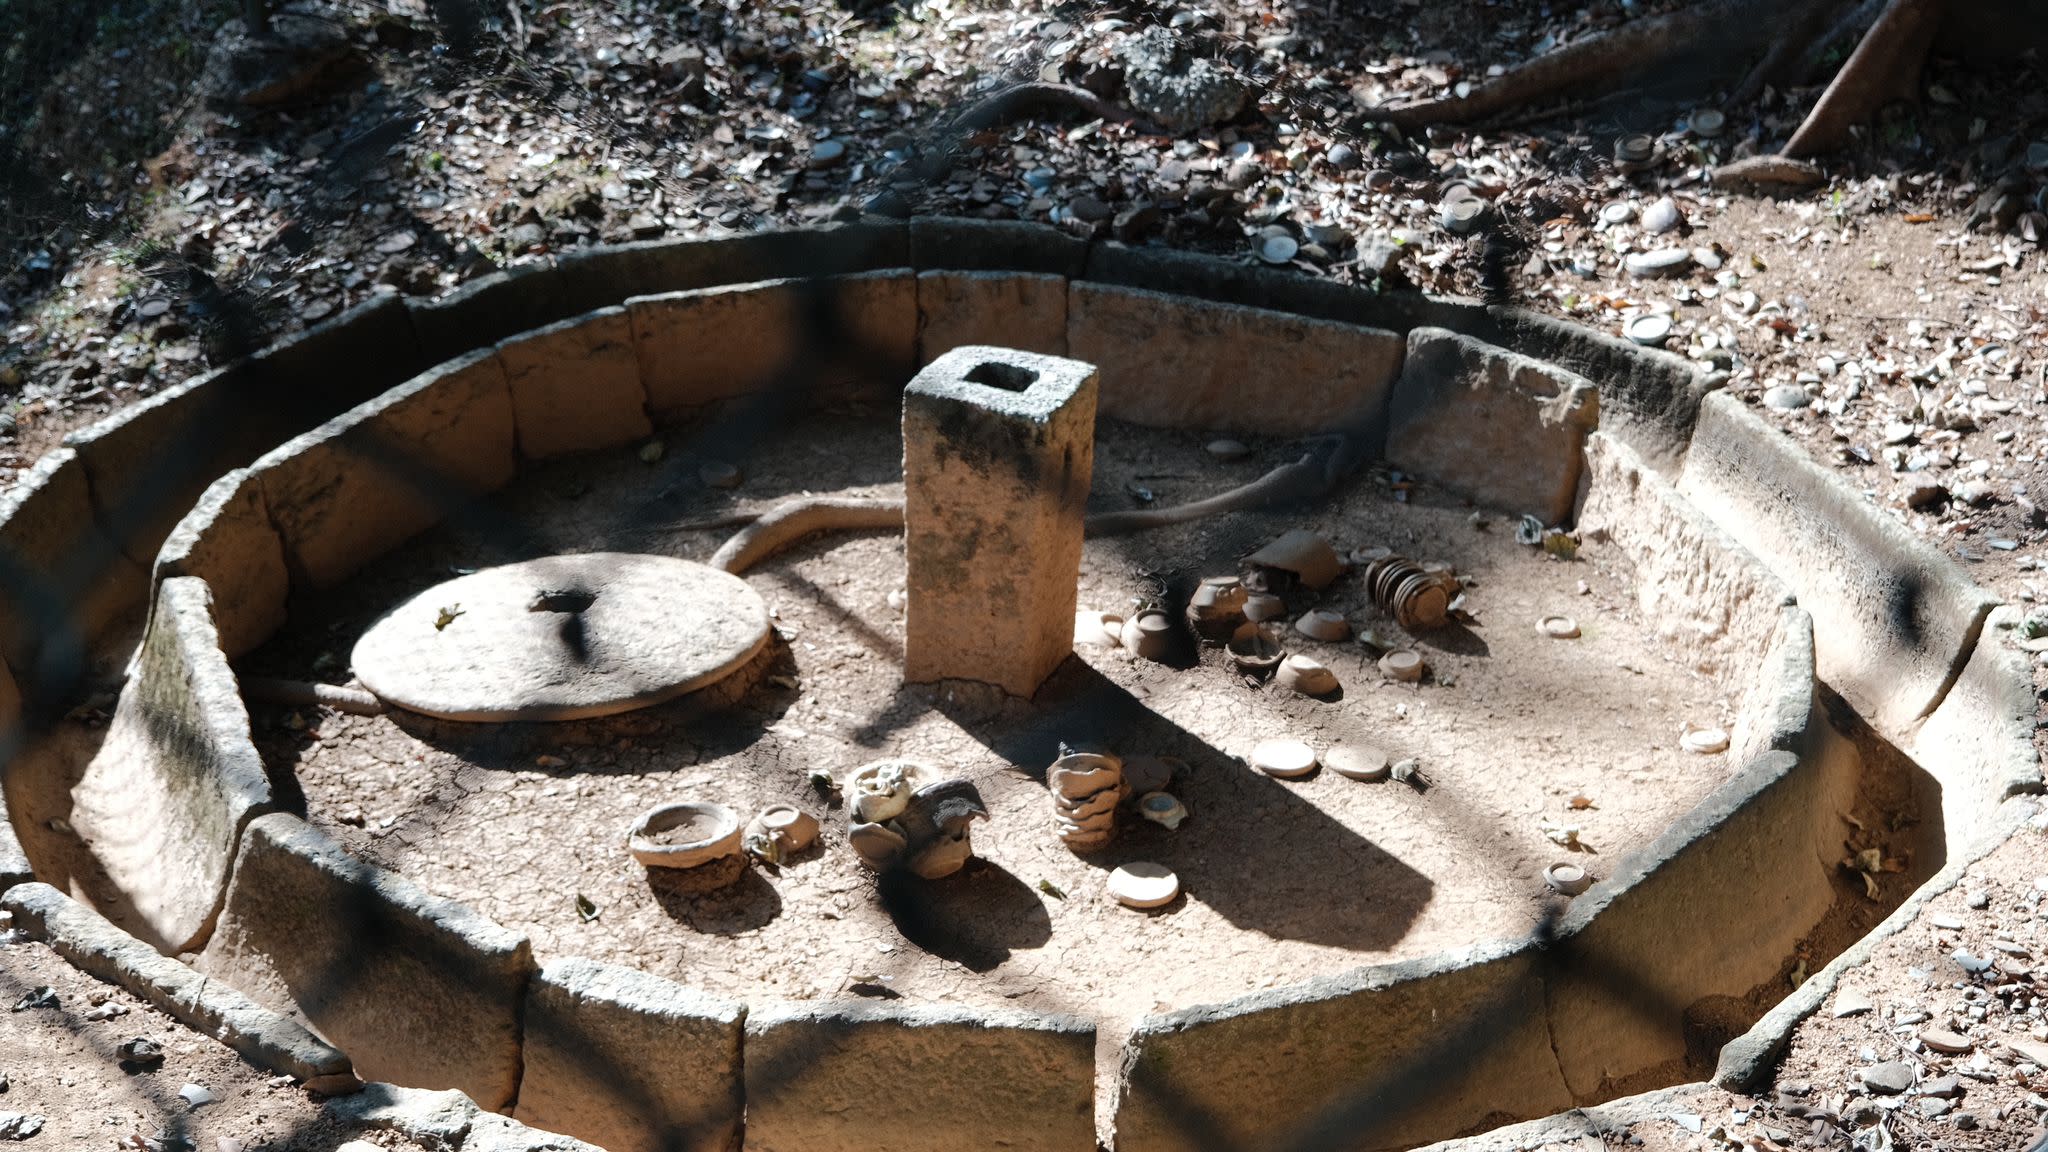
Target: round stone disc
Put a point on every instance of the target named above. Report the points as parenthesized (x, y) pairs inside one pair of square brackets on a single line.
[(563, 638)]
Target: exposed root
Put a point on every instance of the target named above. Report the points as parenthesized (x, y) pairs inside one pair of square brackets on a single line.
[(1006, 104), (1885, 67), (1768, 172), (304, 694), (792, 520), (1802, 35)]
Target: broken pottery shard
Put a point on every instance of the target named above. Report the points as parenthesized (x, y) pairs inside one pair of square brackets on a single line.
[(1303, 554), (998, 451)]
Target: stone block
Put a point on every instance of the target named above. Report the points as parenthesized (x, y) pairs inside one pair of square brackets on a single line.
[(90, 943), (852, 1077), (1383, 1057), (576, 385), (1017, 310), (959, 243), (1710, 908), (600, 277), (358, 485), (1894, 619), (1703, 594), (63, 582), (417, 990), (330, 368), (162, 804), (488, 309), (1499, 428), (809, 337), (1979, 742), (227, 540), (1220, 281), (998, 452), (1170, 362), (630, 1061), (1778, 712)]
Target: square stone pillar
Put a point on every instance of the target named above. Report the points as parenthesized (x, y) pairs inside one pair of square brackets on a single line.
[(998, 451)]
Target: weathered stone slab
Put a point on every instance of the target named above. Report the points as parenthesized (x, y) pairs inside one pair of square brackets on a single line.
[(329, 368), (1004, 309), (630, 1061), (1778, 712), (1979, 743), (1710, 908), (799, 337), (1382, 1057), (14, 866), (63, 582), (998, 452), (161, 806), (490, 308), (576, 385), (1700, 591), (600, 277), (963, 244), (416, 989), (1171, 363), (1222, 281), (853, 1077), (227, 540), (89, 942), (1894, 619), (360, 484), (1499, 428)]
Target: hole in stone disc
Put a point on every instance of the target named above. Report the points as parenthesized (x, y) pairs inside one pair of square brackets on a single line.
[(562, 600), (1008, 377)]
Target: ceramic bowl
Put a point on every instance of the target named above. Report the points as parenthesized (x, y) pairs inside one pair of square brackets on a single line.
[(1150, 636), (1403, 665), (1162, 808), (1143, 884), (1324, 625), (880, 789), (1262, 606), (1569, 879), (1256, 649), (1306, 675), (684, 835), (789, 828), (1558, 627)]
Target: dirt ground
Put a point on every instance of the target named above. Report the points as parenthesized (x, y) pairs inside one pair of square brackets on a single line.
[(60, 1060)]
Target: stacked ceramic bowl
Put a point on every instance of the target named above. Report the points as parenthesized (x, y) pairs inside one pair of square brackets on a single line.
[(1415, 596), (1086, 789)]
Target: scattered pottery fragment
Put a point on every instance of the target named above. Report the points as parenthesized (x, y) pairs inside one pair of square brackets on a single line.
[(1705, 741), (1618, 212), (719, 474), (1403, 665), (1462, 214), (1569, 879), (1278, 249), (877, 845), (779, 832), (1228, 449), (1263, 606), (1306, 675), (1787, 397), (1149, 636), (1286, 759), (1357, 762), (904, 812), (1417, 596), (1162, 808), (1216, 610), (1256, 649), (1558, 627), (1651, 329), (935, 827), (1706, 123), (880, 791), (1325, 625), (1099, 628), (1143, 884), (1086, 789), (687, 834), (1634, 151), (1143, 773), (1659, 262), (1300, 554)]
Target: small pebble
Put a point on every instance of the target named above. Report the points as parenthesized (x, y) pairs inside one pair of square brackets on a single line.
[(1619, 212), (1662, 262), (1786, 398), (1228, 449), (1342, 156), (827, 154), (1661, 216), (1942, 1040), (1978, 898), (1890, 1078), (194, 1095), (719, 474), (1278, 249)]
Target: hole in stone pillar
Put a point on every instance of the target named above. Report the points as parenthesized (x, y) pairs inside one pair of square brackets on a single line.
[(1008, 377)]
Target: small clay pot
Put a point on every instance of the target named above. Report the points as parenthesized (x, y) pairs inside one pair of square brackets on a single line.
[(1651, 329), (1263, 606), (783, 830), (707, 832), (1558, 627), (942, 857), (1568, 879), (1703, 741), (1149, 637), (1099, 628), (1162, 808), (1256, 650), (1306, 675), (1402, 665), (1216, 610), (1324, 625)]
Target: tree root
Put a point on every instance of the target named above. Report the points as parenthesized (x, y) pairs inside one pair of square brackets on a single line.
[(1786, 62), (1006, 104), (1767, 172), (304, 694), (1600, 61), (792, 520), (1885, 67)]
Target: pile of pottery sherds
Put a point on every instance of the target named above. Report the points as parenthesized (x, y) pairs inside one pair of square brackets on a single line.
[(905, 813), (700, 846), (1089, 789)]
